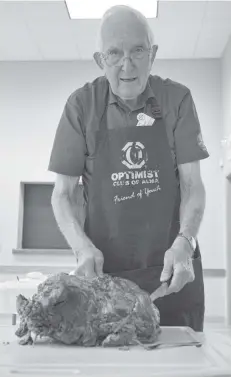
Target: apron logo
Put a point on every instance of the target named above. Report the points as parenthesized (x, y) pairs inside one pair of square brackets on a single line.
[(134, 155), (144, 120)]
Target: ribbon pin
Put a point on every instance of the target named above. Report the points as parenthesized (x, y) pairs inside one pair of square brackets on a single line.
[(144, 120)]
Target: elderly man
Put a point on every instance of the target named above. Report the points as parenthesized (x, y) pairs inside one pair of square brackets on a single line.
[(136, 141)]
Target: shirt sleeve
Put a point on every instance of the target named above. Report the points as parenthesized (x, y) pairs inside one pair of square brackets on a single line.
[(189, 143), (69, 147)]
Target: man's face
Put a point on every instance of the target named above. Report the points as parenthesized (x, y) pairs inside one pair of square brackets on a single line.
[(124, 34)]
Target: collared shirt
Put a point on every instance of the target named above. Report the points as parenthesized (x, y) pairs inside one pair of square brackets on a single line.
[(74, 145)]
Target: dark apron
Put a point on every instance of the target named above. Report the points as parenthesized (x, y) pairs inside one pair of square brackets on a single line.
[(132, 213)]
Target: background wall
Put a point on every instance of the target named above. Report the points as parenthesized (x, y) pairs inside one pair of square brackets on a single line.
[(32, 98)]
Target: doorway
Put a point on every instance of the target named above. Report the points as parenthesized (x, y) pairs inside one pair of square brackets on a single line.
[(228, 247)]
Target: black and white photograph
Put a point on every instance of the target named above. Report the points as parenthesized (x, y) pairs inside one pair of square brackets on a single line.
[(115, 195)]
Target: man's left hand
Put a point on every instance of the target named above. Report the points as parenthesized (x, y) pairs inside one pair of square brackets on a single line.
[(178, 265)]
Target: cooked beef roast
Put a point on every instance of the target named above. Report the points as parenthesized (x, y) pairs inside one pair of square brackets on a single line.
[(107, 311)]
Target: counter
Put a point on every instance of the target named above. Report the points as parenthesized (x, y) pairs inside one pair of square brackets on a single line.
[(212, 359)]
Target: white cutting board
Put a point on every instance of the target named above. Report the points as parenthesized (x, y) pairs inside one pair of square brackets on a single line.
[(56, 360)]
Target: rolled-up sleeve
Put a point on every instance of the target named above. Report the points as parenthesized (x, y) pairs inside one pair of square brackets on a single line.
[(189, 145), (69, 147)]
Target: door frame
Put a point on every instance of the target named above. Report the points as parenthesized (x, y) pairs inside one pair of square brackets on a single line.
[(228, 246)]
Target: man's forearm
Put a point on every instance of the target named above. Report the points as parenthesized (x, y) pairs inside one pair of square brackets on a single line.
[(192, 210), (65, 211)]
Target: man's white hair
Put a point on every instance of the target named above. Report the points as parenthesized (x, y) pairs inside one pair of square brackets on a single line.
[(111, 11)]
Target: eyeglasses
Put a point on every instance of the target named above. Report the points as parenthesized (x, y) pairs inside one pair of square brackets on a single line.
[(115, 57)]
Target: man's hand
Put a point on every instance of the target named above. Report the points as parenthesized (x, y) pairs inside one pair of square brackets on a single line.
[(89, 262), (178, 265)]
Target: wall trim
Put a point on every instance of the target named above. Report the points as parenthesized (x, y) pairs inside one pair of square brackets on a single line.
[(215, 319), (32, 252), (24, 269), (214, 272)]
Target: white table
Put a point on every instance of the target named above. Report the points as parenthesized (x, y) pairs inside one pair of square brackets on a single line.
[(44, 359)]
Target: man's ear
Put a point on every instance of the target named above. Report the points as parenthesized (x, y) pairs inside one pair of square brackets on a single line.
[(98, 59), (154, 51)]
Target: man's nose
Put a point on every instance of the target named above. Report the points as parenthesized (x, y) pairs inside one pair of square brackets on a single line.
[(127, 63)]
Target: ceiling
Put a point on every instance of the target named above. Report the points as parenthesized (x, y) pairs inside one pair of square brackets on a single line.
[(43, 31)]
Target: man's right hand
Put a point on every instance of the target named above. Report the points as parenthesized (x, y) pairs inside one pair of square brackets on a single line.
[(89, 262)]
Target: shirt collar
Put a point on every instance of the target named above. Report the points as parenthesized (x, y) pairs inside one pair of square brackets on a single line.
[(147, 93)]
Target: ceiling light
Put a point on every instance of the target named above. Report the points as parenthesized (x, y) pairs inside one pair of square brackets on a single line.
[(88, 9)]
